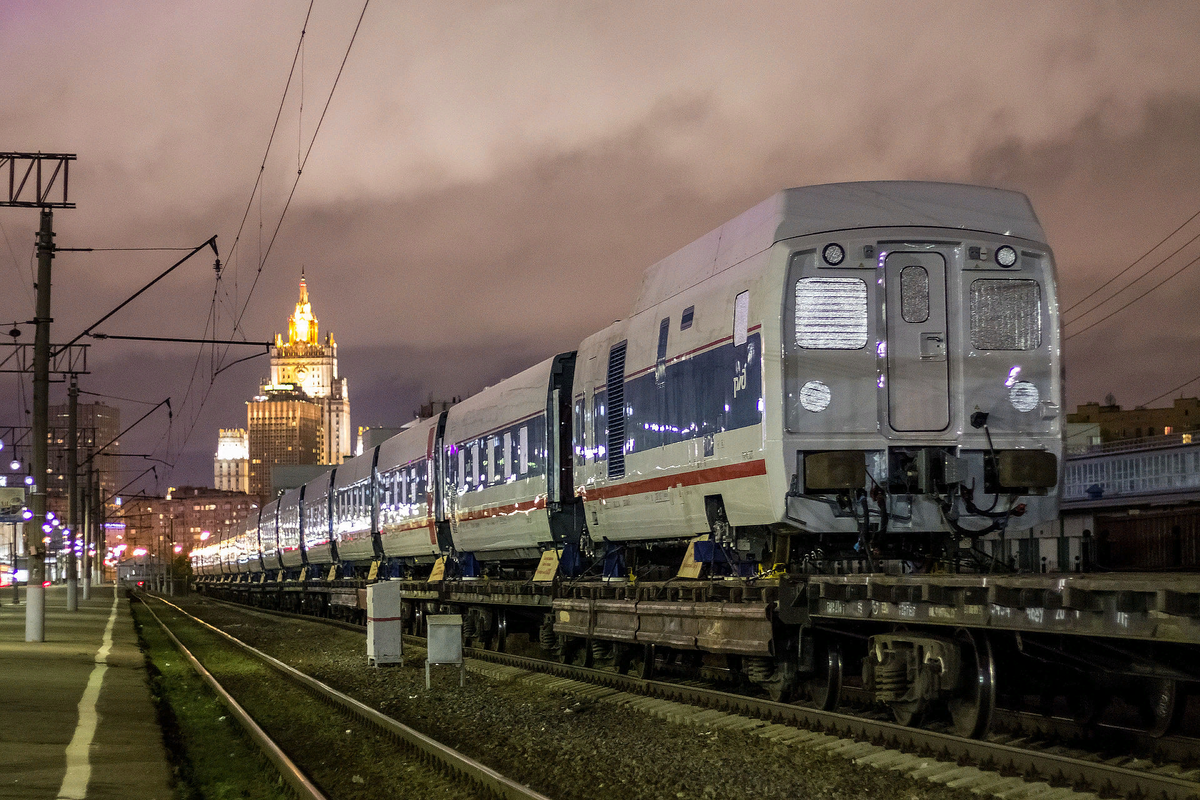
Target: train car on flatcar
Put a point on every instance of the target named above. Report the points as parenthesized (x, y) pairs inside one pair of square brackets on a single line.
[(507, 490), (354, 511), (405, 512), (291, 550), (267, 522), (873, 368), (316, 522)]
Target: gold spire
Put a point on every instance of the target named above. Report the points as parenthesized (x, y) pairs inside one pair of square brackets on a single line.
[(302, 327)]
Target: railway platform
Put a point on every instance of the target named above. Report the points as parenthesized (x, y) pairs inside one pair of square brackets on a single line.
[(76, 717)]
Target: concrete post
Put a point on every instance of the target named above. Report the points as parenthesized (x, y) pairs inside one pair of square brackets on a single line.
[(35, 594)]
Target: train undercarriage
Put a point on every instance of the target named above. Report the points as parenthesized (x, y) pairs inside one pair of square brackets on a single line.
[(939, 649)]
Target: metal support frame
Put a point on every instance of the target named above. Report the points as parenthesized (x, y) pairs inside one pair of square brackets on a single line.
[(44, 169)]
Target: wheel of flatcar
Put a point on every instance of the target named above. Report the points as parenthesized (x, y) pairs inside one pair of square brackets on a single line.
[(974, 701)]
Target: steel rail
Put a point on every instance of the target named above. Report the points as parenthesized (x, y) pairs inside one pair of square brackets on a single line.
[(1055, 767), (291, 774), (483, 777)]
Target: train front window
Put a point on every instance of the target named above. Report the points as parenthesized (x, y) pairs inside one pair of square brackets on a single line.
[(1006, 314), (914, 294), (831, 313)]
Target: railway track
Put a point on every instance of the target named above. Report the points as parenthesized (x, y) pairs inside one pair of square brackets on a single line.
[(1002, 762), (419, 751)]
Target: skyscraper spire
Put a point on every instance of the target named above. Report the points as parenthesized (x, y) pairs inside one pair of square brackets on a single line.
[(302, 327)]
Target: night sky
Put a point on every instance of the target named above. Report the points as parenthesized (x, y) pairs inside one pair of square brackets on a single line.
[(491, 179)]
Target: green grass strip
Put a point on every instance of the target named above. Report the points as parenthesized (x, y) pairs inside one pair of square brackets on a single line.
[(211, 756)]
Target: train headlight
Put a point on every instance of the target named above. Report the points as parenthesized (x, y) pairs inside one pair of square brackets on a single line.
[(1024, 396), (814, 396), (1006, 256), (833, 254)]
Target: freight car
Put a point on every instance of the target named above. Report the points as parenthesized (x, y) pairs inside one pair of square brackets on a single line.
[(782, 458)]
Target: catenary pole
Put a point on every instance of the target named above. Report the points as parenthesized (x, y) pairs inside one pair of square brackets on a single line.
[(73, 516), (72, 492), (35, 593), (89, 535)]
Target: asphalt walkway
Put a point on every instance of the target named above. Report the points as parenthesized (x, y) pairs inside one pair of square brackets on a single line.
[(76, 719)]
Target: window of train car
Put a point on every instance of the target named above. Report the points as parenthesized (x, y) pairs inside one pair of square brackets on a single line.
[(1006, 314), (580, 458), (741, 318), (599, 425), (685, 321), (914, 294), (506, 458), (523, 450), (831, 313)]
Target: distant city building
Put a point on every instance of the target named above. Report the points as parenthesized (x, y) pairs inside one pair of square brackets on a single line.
[(302, 414), (97, 426), (186, 518), (370, 436), (284, 429), (1116, 423), (231, 468)]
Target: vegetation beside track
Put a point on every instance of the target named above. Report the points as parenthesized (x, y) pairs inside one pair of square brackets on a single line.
[(211, 756)]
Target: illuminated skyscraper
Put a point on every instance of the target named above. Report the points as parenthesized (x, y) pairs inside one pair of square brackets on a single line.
[(302, 415), (231, 468)]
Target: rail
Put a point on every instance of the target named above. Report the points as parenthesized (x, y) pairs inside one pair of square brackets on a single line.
[(300, 785), (487, 779)]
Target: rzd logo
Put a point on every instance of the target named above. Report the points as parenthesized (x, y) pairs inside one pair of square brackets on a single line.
[(739, 378)]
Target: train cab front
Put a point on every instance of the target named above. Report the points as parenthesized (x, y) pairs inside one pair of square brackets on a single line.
[(922, 392)]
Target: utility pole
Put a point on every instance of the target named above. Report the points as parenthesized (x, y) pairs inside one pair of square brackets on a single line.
[(73, 515), (36, 193), (35, 593), (89, 531)]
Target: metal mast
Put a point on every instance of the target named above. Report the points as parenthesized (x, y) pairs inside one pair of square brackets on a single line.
[(31, 186)]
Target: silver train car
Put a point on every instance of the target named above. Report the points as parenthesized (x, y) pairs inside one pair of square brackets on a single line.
[(864, 371)]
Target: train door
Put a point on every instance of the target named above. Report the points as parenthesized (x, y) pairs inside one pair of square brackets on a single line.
[(918, 370)]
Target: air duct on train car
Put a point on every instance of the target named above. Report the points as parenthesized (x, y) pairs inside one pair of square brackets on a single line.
[(835, 470), (1020, 469)]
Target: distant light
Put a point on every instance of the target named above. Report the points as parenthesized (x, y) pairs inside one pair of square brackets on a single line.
[(26, 514), (14, 464), (118, 501), (29, 480)]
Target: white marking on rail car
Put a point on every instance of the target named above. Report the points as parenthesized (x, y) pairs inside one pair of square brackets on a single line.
[(79, 768)]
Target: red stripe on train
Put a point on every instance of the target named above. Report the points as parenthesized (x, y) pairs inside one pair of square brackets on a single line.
[(747, 469)]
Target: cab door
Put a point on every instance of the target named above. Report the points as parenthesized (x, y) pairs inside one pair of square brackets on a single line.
[(917, 343)]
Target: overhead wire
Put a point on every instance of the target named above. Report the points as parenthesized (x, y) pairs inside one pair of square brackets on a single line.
[(312, 141), (232, 254), (1129, 285), (1134, 300), (1137, 261), (262, 260)]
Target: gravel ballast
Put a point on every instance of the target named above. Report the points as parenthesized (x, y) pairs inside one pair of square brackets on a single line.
[(553, 741)]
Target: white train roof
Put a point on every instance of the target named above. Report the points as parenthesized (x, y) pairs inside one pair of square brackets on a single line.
[(840, 207)]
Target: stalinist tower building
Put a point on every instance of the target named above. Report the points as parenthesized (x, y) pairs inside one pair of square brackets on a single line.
[(302, 415)]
